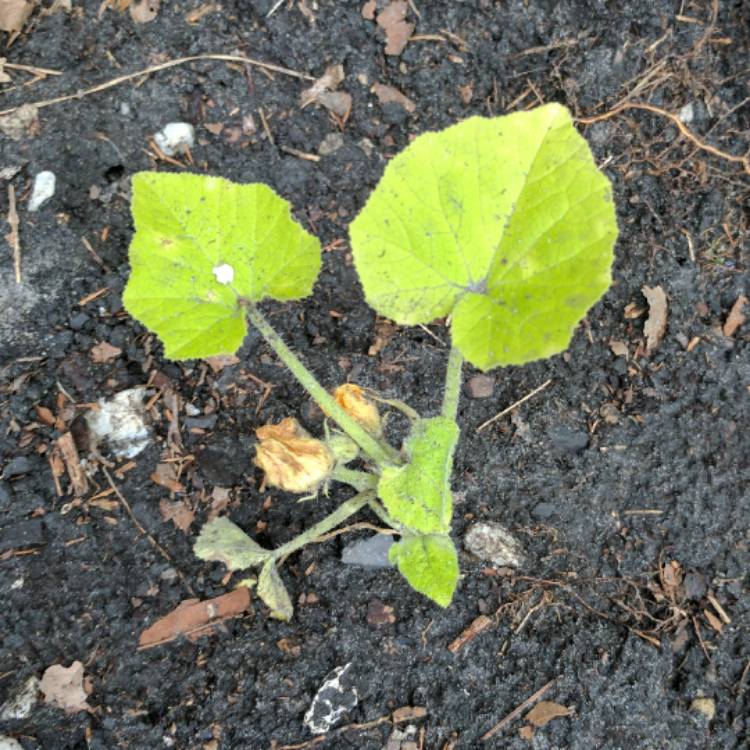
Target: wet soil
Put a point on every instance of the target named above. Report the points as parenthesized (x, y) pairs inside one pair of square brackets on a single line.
[(627, 479)]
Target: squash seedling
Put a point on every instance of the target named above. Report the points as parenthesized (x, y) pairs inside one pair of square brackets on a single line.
[(504, 225)]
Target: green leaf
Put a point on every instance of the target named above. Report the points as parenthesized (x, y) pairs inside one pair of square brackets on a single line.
[(201, 243), (273, 593), (430, 565), (418, 495), (223, 541), (504, 223)]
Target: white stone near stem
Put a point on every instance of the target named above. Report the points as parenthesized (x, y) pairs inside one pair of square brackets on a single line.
[(224, 273), (43, 190), (175, 137)]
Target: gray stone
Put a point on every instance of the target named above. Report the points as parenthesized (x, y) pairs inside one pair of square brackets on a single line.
[(480, 386), (17, 467), (371, 552), (20, 701), (22, 535), (492, 542), (567, 440)]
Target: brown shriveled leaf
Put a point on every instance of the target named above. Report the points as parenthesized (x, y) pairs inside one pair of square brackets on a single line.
[(619, 348), (63, 687), (368, 10), (323, 92), (67, 447), (656, 324), (526, 732), (545, 711), (355, 402), (384, 332), (144, 11), (379, 613), (165, 475), (220, 361), (21, 123), (387, 94), (177, 512), (104, 352), (671, 580), (14, 14), (736, 316), (397, 30), (194, 618), (408, 713)]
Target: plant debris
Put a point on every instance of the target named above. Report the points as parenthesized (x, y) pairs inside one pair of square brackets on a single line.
[(194, 618), (64, 687), (397, 29), (14, 14), (178, 513), (323, 92), (545, 711), (104, 352), (656, 323), (387, 94), (144, 11), (736, 316)]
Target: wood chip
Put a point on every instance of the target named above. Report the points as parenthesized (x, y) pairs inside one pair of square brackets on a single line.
[(408, 713), (194, 618), (713, 620), (387, 94), (479, 625), (736, 316), (656, 324), (104, 352), (67, 447), (545, 711)]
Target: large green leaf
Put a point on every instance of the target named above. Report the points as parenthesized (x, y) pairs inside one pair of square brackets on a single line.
[(223, 541), (429, 563), (418, 495), (201, 244), (503, 222)]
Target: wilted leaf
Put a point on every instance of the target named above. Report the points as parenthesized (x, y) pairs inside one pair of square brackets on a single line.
[(165, 475), (272, 591), (220, 361), (193, 234), (736, 316), (144, 11), (177, 512), (353, 400), (430, 565), (387, 94), (221, 540), (619, 348), (104, 352), (504, 223), (656, 323), (14, 13), (63, 687), (194, 618), (545, 711), (323, 92)]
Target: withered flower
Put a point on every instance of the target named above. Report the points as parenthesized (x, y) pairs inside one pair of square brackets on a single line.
[(293, 460), (352, 399)]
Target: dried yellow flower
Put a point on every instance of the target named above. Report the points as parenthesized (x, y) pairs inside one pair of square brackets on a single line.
[(292, 459), (352, 399)]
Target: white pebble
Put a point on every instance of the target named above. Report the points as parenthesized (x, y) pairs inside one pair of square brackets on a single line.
[(43, 190), (175, 137), (224, 273), (687, 113)]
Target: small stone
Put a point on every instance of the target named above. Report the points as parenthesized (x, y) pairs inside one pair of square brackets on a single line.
[(77, 322), (43, 190), (686, 113), (175, 138), (331, 144), (567, 440), (493, 542), (20, 701), (17, 467), (8, 743), (367, 146), (480, 386), (335, 698), (544, 510), (371, 552), (705, 706), (22, 535)]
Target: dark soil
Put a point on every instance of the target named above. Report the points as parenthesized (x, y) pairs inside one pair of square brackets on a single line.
[(618, 469)]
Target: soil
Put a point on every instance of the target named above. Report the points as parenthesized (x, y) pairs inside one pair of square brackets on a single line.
[(627, 479)]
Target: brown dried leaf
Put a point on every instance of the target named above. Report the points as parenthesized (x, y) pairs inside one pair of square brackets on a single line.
[(63, 687), (165, 475), (671, 577), (408, 713), (736, 317), (14, 13), (338, 102), (387, 94), (466, 92), (45, 415), (220, 361), (545, 711), (144, 11), (379, 613), (368, 10), (24, 121), (194, 618), (104, 352), (177, 512), (397, 30), (384, 330), (656, 324), (619, 348), (329, 81)]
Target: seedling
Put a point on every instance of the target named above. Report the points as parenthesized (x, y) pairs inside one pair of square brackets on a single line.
[(504, 225)]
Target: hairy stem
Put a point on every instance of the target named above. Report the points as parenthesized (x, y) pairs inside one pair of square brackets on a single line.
[(360, 480), (346, 509), (382, 453), (452, 391)]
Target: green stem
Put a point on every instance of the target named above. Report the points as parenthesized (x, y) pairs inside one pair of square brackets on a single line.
[(360, 480), (452, 391), (346, 509), (379, 510), (381, 453)]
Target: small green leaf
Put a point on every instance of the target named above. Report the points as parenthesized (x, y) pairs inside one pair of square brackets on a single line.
[(504, 223), (418, 495), (430, 565), (223, 541), (273, 593), (200, 244)]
